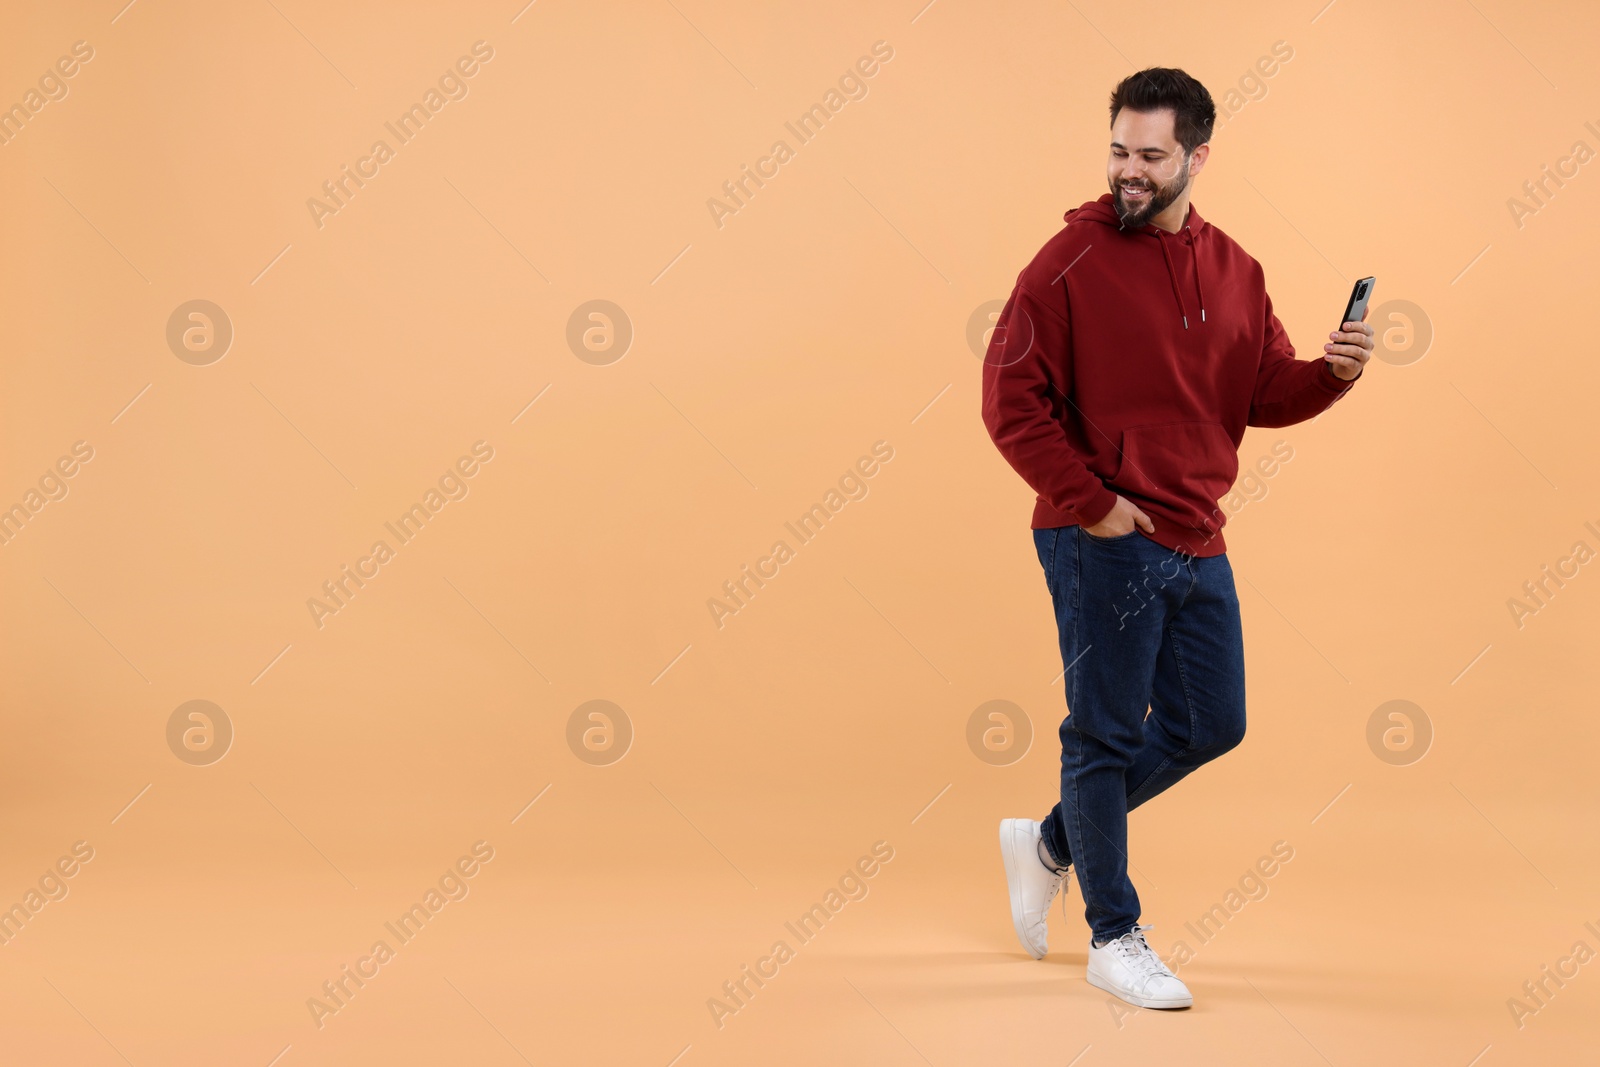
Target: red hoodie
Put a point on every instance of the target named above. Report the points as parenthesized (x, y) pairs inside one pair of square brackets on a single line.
[(1100, 380)]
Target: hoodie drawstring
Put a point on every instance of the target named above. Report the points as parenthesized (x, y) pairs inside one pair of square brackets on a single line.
[(1172, 276)]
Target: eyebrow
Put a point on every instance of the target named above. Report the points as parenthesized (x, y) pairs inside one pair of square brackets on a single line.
[(1152, 148)]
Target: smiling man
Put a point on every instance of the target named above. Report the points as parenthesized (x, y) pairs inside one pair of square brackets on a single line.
[(1135, 349)]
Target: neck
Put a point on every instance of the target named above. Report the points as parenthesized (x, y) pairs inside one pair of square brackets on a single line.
[(1173, 216)]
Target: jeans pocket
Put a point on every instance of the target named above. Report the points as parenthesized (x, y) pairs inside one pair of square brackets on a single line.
[(1111, 540), (1044, 544)]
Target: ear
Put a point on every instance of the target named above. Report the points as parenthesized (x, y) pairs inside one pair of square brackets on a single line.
[(1197, 161)]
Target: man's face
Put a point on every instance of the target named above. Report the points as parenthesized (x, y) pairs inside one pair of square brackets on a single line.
[(1148, 169)]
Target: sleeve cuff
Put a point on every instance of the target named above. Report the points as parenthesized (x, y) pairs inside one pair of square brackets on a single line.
[(1099, 506)]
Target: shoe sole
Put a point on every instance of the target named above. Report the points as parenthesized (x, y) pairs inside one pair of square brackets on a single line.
[(1012, 836), (1134, 998)]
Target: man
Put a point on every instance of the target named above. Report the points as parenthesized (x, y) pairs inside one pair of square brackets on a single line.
[(1135, 349)]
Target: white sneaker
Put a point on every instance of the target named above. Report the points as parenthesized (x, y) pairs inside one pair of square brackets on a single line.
[(1033, 886), (1129, 968)]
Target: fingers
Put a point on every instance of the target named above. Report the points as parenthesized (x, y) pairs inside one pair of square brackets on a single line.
[(1354, 340), (1141, 520), (1349, 363), (1354, 352)]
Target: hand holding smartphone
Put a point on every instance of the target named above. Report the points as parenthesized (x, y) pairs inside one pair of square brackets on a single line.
[(1355, 309)]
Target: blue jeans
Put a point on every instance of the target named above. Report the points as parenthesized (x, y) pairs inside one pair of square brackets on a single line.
[(1142, 628)]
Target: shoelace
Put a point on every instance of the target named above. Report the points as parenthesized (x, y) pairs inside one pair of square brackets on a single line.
[(1050, 898), (1135, 951), (1056, 880)]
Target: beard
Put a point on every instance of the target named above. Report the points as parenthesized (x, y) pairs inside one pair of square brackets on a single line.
[(1161, 197)]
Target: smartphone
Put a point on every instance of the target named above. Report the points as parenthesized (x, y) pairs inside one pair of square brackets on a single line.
[(1357, 307)]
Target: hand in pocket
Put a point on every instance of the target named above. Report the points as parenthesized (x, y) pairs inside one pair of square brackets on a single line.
[(1123, 518)]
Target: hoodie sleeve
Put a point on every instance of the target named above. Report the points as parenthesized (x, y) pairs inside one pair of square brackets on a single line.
[(1018, 408), (1290, 390)]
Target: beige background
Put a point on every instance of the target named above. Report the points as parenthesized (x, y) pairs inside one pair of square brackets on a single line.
[(769, 354)]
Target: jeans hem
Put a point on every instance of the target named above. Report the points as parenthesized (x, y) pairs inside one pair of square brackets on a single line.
[(1106, 939)]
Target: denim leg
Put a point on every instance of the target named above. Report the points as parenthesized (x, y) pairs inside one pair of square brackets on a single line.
[(1111, 608), (1197, 702)]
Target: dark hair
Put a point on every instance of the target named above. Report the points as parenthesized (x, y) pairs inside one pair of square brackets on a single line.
[(1167, 87)]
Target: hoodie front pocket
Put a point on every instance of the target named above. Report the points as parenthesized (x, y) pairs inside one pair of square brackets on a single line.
[(1182, 468)]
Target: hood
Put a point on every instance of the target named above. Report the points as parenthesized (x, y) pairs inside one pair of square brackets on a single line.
[(1101, 211)]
